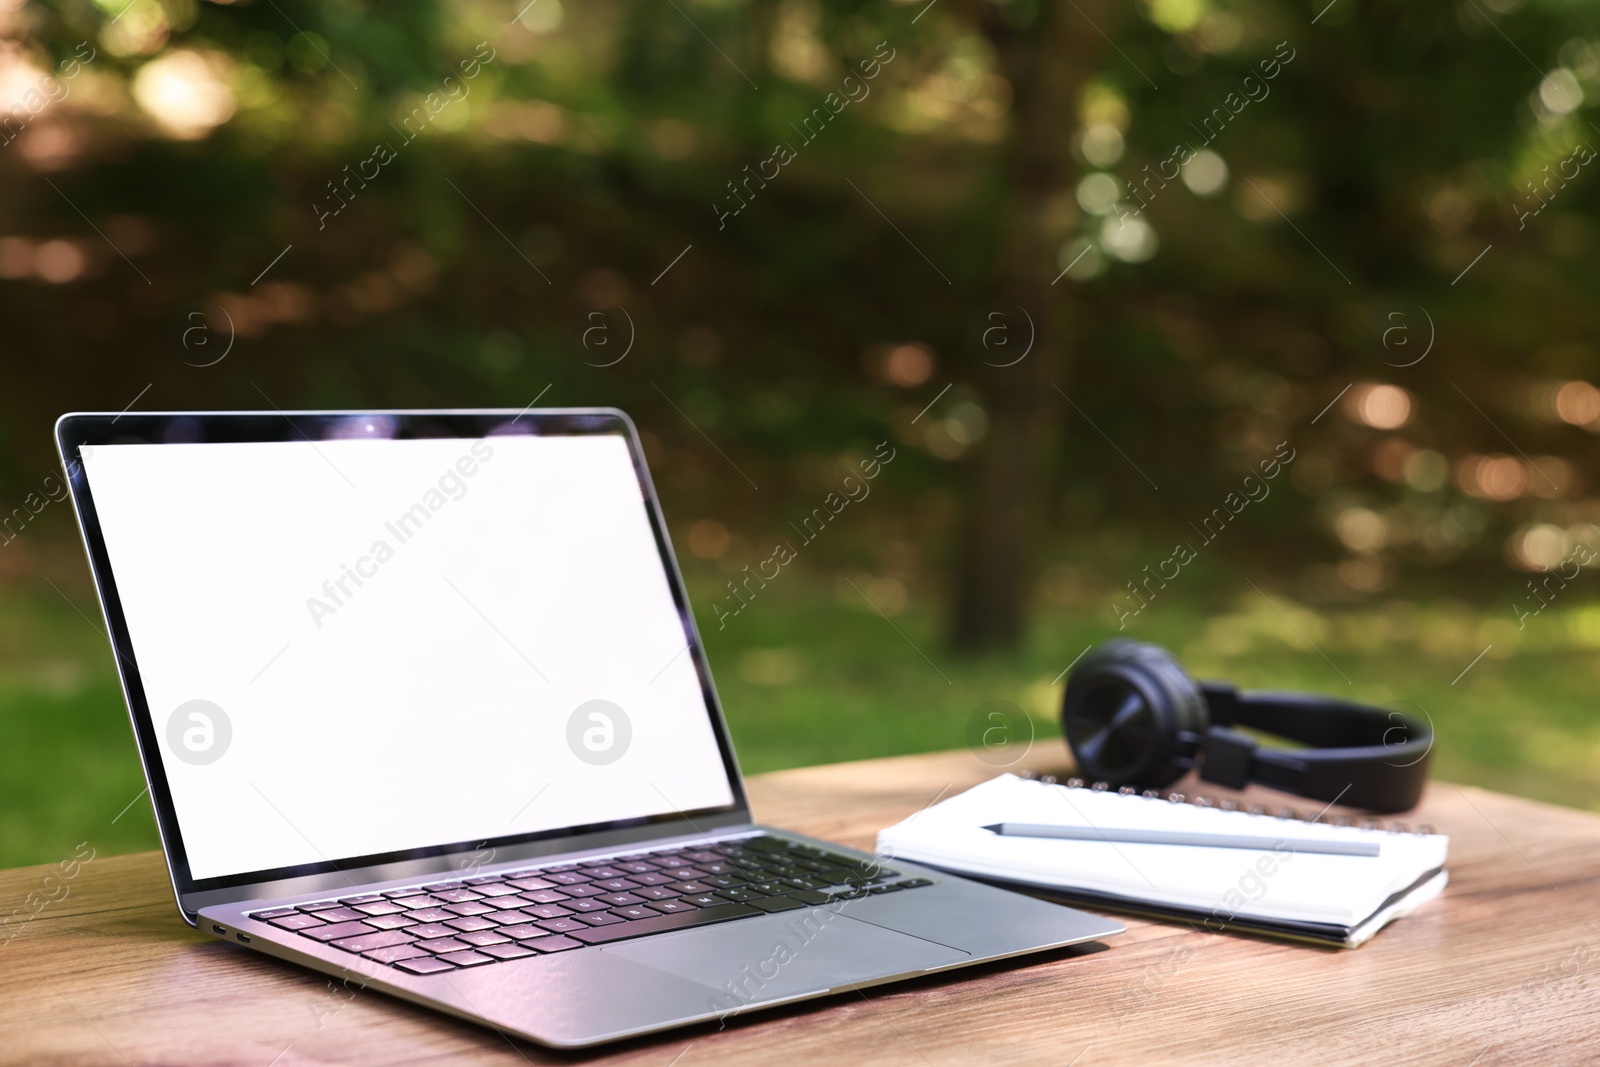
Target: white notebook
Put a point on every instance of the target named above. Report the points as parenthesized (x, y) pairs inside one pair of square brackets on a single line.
[(1276, 890)]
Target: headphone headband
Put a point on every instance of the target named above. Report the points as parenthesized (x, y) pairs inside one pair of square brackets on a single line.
[(1133, 717)]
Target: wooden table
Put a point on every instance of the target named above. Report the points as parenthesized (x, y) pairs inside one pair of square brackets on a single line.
[(1501, 969)]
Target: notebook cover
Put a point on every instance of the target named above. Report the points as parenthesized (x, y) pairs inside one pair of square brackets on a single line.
[(1327, 935)]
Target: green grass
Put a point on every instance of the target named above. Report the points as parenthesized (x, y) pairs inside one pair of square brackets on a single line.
[(809, 674)]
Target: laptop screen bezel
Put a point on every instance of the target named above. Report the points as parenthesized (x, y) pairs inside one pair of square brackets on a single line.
[(79, 430)]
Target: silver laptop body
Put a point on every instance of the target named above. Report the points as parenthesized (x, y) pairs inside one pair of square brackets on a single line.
[(352, 643)]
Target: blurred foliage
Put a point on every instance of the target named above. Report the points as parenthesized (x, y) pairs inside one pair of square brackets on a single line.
[(523, 239), (817, 677), (1378, 253)]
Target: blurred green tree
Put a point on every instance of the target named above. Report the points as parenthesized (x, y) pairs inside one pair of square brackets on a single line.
[(1204, 256)]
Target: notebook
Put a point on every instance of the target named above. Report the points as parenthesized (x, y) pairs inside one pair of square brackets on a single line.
[(1330, 899)]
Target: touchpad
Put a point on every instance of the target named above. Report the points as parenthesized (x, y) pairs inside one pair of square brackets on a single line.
[(786, 954)]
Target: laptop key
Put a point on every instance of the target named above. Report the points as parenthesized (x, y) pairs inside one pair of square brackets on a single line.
[(738, 894), (635, 912), (659, 924), (497, 890), (616, 885), (364, 898), (382, 907), (620, 900), (399, 894), (683, 874), (391, 922), (548, 911), (425, 965), (654, 878), (317, 905), (553, 944), (482, 938), (546, 896), (765, 844), (339, 915), (417, 903), (442, 944), (567, 878), (295, 921), (429, 931), (583, 891), (432, 915), (337, 930), (655, 892), (559, 926), (274, 913), (705, 900), (776, 904), (806, 896), (523, 931), (380, 939), (471, 922), (598, 918), (508, 951), (527, 884), (915, 883), (634, 867), (457, 896), (691, 886), (510, 915), (471, 907), (591, 904), (670, 907), (466, 958), (396, 953)]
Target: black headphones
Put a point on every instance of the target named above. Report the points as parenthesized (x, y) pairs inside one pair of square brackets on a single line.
[(1133, 717)]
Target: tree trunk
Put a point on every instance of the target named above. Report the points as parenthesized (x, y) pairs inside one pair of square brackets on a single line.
[(1046, 64)]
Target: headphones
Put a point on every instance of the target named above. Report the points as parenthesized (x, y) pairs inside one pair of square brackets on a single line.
[(1133, 717)]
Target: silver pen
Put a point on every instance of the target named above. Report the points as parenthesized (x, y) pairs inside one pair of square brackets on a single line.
[(1114, 835)]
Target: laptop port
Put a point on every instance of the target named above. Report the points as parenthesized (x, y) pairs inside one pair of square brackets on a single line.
[(218, 930), (243, 938)]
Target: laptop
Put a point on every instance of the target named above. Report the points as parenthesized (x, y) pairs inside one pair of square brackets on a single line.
[(422, 706)]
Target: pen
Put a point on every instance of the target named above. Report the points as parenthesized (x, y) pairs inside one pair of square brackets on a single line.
[(1114, 835)]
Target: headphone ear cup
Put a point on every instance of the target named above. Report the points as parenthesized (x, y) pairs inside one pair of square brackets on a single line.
[(1125, 704)]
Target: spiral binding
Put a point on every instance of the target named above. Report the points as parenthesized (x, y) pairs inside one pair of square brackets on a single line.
[(1225, 804)]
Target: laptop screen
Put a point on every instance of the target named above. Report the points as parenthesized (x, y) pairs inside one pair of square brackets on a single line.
[(359, 647)]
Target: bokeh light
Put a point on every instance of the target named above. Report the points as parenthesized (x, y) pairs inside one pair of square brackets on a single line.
[(1381, 406), (1578, 403), (1131, 240), (908, 366), (1206, 174), (184, 93), (1098, 193)]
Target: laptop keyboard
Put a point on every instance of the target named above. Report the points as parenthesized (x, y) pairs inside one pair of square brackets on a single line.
[(441, 926)]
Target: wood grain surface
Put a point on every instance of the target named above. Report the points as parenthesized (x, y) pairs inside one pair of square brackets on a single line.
[(1500, 969)]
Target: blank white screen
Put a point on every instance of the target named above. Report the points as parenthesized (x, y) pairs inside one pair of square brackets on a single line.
[(429, 704)]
